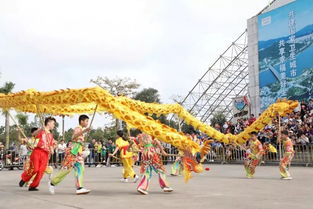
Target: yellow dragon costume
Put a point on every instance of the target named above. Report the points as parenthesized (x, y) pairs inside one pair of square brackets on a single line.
[(77, 101)]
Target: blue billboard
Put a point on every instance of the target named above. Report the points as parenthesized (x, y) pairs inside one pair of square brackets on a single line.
[(285, 44)]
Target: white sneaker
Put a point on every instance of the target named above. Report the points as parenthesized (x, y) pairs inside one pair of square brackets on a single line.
[(167, 189), (51, 188), (136, 179), (82, 191), (141, 191), (98, 166), (124, 180), (287, 178)]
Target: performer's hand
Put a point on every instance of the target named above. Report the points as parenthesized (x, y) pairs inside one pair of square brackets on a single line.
[(258, 156), (279, 138), (87, 130), (165, 154), (253, 157), (23, 140)]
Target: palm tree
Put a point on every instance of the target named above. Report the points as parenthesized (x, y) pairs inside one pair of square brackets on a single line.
[(22, 121), (6, 89)]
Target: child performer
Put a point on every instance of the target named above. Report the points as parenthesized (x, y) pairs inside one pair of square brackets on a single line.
[(288, 155), (126, 156), (74, 159), (254, 158), (178, 167), (40, 155), (151, 161), (31, 144)]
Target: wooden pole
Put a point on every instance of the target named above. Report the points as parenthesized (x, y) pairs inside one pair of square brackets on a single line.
[(93, 117), (63, 132), (279, 137), (40, 116), (19, 128)]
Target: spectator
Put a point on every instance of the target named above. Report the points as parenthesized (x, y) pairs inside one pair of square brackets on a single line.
[(61, 151), (109, 150), (304, 139), (98, 150), (91, 157), (103, 153), (218, 127), (251, 119), (23, 151)]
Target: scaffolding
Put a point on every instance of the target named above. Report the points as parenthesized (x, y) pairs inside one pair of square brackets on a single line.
[(226, 79)]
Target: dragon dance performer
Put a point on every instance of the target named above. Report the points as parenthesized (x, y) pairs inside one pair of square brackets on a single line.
[(151, 161), (40, 155), (268, 147), (74, 159), (126, 157), (133, 147), (254, 156), (287, 157), (31, 144), (178, 167)]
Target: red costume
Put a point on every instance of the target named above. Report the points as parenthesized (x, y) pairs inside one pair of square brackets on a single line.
[(39, 158)]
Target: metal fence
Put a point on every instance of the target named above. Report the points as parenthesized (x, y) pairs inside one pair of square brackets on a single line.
[(219, 155), (303, 155), (10, 159)]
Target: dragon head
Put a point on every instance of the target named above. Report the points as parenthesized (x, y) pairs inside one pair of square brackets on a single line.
[(193, 162)]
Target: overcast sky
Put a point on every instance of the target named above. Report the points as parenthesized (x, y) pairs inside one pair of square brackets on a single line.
[(164, 44)]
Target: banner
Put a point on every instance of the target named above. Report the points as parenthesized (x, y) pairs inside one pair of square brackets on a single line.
[(240, 107), (286, 53)]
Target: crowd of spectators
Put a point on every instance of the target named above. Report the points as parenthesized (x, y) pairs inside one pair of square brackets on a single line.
[(299, 124)]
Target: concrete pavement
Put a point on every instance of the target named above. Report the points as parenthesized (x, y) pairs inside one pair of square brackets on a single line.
[(223, 187)]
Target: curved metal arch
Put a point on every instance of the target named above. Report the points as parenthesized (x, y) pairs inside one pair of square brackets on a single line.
[(228, 68), (220, 83)]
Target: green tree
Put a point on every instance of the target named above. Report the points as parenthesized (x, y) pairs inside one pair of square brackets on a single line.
[(109, 133), (97, 134), (2, 130), (13, 134), (6, 89), (151, 95), (22, 120), (187, 129), (117, 87), (148, 95), (174, 124), (68, 135), (218, 118), (55, 132)]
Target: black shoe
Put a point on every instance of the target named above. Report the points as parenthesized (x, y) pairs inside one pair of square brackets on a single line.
[(33, 189), (21, 184)]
